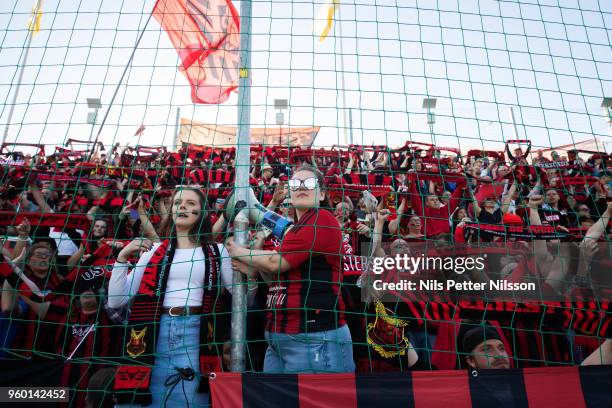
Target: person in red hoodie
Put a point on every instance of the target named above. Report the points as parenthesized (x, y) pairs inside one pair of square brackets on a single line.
[(436, 215)]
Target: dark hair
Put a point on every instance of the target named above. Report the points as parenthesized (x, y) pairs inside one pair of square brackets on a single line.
[(100, 389), (105, 220), (201, 229), (326, 202), (52, 261)]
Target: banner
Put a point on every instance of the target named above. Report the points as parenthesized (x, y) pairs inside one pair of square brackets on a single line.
[(225, 136), (529, 387)]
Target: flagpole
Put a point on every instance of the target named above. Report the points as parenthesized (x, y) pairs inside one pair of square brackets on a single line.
[(243, 166), (25, 62), (339, 25), (89, 330), (110, 105)]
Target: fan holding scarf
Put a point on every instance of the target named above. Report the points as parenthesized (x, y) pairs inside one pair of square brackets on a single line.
[(178, 299)]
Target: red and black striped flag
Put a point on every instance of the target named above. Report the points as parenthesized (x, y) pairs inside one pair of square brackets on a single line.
[(528, 387)]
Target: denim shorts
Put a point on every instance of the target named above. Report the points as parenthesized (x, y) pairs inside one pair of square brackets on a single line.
[(328, 351)]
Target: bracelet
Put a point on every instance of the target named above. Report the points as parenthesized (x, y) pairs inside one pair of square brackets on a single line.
[(20, 238)]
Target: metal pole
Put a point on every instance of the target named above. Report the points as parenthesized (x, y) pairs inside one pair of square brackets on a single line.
[(110, 105), (516, 134), (25, 62), (351, 124), (177, 128), (339, 24), (243, 164)]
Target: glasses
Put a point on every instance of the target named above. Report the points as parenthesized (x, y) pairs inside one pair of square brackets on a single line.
[(309, 184), (42, 254)]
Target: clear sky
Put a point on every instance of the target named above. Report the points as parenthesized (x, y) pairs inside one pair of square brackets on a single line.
[(549, 59)]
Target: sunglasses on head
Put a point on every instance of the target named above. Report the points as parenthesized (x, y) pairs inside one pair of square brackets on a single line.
[(309, 184)]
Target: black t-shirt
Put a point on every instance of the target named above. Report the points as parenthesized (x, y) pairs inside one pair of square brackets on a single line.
[(487, 218)]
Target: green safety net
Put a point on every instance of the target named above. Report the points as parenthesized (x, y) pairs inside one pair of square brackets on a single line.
[(449, 125)]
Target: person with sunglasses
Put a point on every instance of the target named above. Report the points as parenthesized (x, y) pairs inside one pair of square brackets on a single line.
[(306, 329)]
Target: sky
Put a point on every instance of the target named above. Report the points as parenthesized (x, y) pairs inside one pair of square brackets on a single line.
[(550, 61)]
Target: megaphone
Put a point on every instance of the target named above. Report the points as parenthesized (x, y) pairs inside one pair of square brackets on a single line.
[(256, 213)]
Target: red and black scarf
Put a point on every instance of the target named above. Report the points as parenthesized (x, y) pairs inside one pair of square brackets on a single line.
[(133, 379)]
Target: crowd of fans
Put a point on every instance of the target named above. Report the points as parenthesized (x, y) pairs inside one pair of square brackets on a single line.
[(73, 222)]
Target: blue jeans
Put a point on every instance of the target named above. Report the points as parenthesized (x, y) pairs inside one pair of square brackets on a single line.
[(328, 351), (178, 345)]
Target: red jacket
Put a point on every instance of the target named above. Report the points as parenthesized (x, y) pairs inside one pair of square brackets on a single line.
[(436, 219)]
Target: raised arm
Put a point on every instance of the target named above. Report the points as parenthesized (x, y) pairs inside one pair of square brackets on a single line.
[(598, 229), (455, 198), (415, 198), (123, 285), (349, 166), (381, 217), (147, 226), (39, 199), (23, 238), (394, 225), (507, 199), (543, 257), (475, 205), (74, 258)]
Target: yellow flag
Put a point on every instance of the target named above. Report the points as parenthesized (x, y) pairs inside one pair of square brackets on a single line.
[(34, 23), (325, 18)]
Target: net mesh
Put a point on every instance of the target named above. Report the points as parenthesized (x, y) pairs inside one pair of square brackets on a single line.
[(430, 123)]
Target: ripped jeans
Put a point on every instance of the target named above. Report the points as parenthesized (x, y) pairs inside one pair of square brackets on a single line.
[(328, 351)]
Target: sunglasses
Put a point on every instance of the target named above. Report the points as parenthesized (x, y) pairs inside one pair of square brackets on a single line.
[(309, 184)]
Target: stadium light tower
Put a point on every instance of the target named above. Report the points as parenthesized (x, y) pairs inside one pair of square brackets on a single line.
[(430, 105), (606, 106), (280, 105), (95, 104)]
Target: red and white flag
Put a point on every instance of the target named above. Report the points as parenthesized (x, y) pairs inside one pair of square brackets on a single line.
[(206, 35), (140, 130)]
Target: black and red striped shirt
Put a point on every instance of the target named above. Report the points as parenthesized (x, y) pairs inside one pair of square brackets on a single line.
[(307, 298)]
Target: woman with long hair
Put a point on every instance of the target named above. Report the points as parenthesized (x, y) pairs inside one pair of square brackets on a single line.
[(306, 330), (177, 295)]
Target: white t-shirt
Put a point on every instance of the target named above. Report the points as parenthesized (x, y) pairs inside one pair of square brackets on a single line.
[(65, 245), (185, 283)]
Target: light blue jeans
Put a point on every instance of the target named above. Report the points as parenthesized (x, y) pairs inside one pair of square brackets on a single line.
[(328, 351), (178, 345)]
